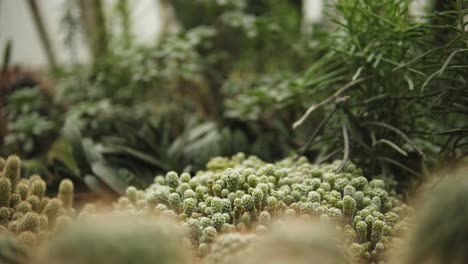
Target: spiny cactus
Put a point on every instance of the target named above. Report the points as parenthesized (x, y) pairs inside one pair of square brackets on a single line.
[(38, 187), (248, 195), (24, 209), (5, 191), (66, 193), (12, 171), (118, 240), (2, 164)]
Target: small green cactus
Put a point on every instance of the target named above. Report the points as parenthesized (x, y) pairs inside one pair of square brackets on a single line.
[(377, 231), (23, 189), (5, 192), (12, 171), (2, 164), (29, 222), (38, 188), (172, 179), (52, 211), (65, 193)]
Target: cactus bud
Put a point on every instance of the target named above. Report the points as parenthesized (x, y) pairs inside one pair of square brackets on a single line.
[(172, 179), (5, 192), (29, 222), (12, 171), (377, 231), (52, 211), (66, 193), (38, 188)]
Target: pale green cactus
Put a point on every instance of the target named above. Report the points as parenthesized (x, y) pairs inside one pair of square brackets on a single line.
[(34, 201), (209, 234), (172, 179), (24, 207), (189, 206), (52, 211), (175, 202), (2, 165), (349, 207), (218, 221), (30, 222), (265, 218), (5, 192), (12, 171), (65, 193), (377, 231), (23, 189), (5, 213)]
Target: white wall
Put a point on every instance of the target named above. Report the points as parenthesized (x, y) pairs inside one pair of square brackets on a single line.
[(16, 23)]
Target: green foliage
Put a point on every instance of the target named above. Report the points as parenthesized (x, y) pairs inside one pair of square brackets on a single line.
[(393, 83), (29, 121), (173, 90)]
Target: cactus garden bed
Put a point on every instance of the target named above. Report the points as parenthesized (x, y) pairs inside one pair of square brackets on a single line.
[(237, 210)]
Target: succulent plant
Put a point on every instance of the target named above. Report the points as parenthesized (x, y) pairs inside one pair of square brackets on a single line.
[(24, 210), (248, 195)]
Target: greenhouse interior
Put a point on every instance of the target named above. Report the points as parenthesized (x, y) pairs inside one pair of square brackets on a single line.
[(234, 131)]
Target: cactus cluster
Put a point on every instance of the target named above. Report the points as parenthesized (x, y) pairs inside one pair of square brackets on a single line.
[(24, 208), (242, 194)]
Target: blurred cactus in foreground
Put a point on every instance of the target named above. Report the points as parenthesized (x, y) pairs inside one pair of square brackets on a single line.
[(299, 242), (12, 251), (117, 240), (439, 232)]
